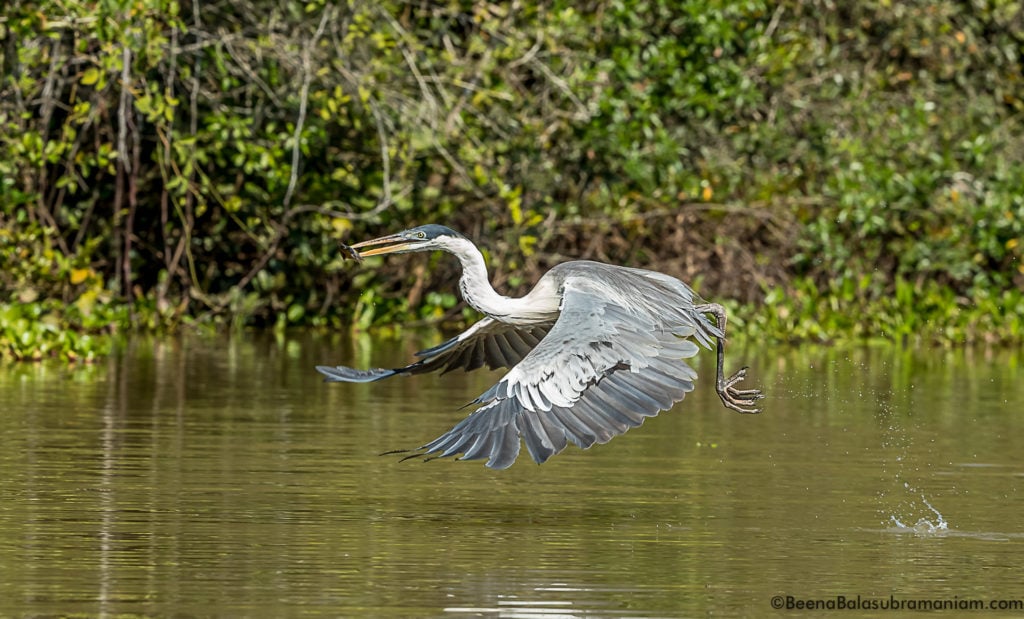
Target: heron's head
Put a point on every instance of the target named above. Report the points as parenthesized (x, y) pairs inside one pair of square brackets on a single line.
[(422, 238)]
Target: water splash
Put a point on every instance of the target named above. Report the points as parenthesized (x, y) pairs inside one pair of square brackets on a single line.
[(924, 525), (908, 509)]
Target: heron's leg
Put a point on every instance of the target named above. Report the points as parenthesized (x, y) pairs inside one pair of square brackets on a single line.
[(739, 400)]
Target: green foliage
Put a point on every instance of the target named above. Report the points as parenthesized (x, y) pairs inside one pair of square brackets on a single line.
[(33, 331), (171, 163), (58, 305), (925, 314)]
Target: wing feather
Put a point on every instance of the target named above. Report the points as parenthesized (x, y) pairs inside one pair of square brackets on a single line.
[(518, 343), (488, 342), (614, 357), (476, 355), (493, 350), (537, 442), (609, 423), (481, 447), (506, 448), (614, 405), (575, 429)]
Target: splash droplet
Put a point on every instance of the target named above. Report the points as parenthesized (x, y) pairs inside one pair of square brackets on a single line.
[(924, 526)]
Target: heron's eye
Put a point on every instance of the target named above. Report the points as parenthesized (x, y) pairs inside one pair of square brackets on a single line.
[(421, 235)]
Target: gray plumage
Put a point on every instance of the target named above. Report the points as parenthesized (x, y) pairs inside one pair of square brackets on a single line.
[(593, 350)]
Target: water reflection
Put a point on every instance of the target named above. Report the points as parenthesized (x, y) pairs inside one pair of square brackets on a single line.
[(202, 477)]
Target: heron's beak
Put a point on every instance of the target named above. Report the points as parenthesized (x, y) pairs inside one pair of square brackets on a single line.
[(391, 244)]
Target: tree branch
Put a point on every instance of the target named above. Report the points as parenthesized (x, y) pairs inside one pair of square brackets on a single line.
[(307, 77)]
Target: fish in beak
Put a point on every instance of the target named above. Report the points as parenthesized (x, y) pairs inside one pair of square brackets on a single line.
[(393, 243)]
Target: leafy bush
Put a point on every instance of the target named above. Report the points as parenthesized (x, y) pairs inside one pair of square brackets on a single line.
[(198, 162)]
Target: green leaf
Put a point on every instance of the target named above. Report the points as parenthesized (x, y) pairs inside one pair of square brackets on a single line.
[(91, 76), (295, 313)]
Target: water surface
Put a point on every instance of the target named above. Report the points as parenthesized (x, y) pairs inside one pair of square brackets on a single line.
[(221, 477)]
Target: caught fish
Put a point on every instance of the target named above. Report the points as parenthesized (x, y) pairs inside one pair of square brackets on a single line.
[(350, 253)]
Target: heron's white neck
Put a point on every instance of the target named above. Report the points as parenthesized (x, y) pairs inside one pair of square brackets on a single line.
[(540, 305)]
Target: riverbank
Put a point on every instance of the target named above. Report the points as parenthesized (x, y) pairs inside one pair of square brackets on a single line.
[(930, 316)]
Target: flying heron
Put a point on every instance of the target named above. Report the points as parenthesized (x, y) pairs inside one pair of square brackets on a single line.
[(591, 352)]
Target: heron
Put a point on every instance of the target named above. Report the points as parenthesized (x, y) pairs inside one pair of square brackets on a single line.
[(591, 351)]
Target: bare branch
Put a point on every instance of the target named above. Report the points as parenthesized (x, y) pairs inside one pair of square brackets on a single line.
[(307, 77), (428, 95), (385, 157)]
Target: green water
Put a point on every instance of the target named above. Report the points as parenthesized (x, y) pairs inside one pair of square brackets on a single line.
[(223, 478)]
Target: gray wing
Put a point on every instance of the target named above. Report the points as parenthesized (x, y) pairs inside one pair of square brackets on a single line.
[(613, 358), (488, 342)]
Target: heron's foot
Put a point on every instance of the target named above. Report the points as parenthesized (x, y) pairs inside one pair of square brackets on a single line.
[(739, 400)]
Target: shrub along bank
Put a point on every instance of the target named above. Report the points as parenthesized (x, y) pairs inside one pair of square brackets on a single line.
[(837, 171)]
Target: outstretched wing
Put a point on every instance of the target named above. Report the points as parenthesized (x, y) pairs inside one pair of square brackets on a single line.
[(488, 342), (613, 358)]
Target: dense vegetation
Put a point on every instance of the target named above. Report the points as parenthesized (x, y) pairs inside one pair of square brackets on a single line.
[(837, 170)]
